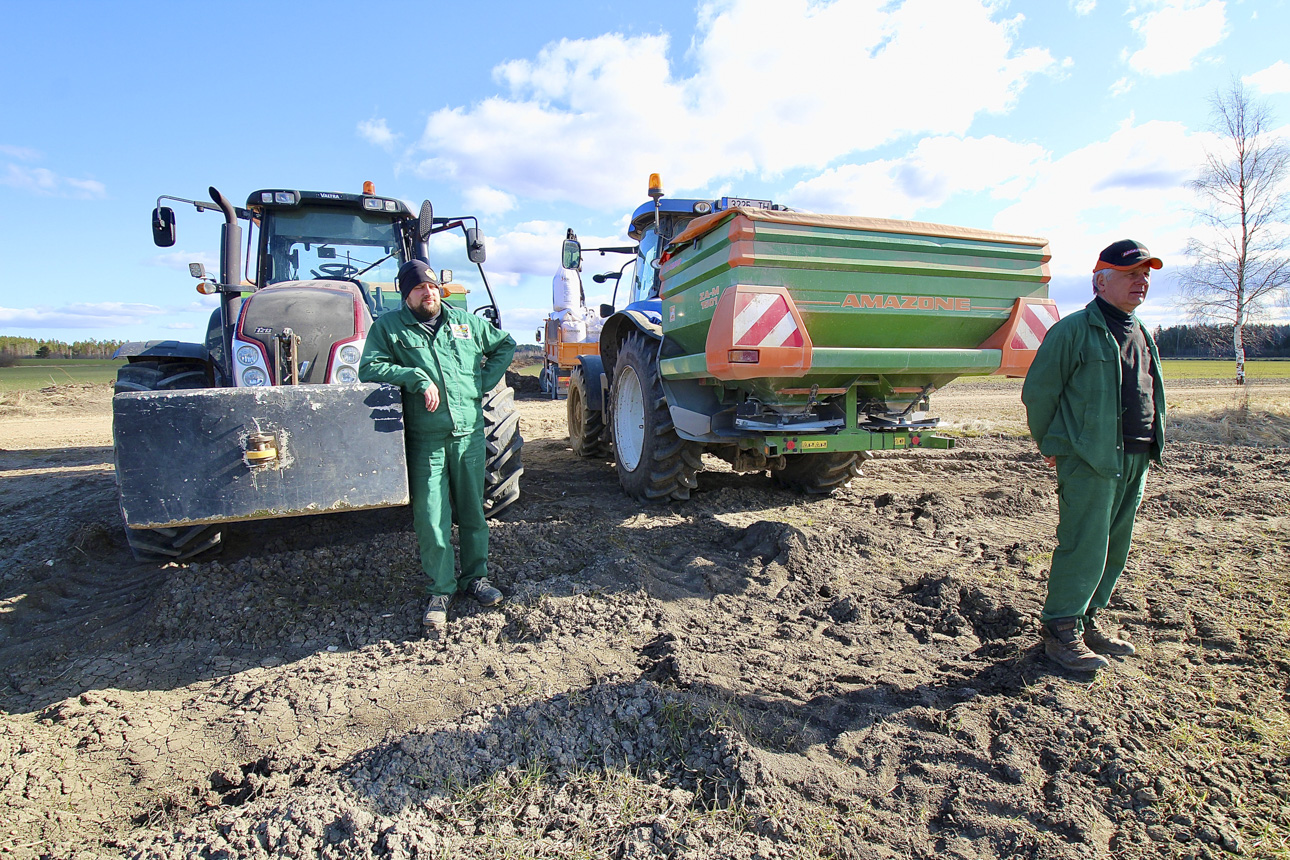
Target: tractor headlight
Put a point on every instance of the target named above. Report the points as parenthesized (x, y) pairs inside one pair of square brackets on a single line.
[(253, 376), (248, 355), (349, 354), (347, 374)]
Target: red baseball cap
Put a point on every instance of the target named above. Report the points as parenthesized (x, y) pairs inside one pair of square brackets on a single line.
[(1124, 255)]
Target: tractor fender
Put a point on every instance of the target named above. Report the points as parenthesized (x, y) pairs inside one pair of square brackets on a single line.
[(593, 368), (162, 349), (618, 326)]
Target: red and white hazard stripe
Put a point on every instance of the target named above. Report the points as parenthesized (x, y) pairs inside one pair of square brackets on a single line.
[(1036, 319), (763, 320)]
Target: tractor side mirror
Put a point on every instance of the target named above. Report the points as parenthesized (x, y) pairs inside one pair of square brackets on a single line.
[(163, 226), (475, 245), (606, 311), (425, 220), (537, 336), (571, 254)]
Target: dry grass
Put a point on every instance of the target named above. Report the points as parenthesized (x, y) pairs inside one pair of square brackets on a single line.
[(1253, 416)]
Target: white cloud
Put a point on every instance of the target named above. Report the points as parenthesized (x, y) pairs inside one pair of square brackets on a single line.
[(1122, 86), (21, 153), (1274, 79), (1083, 7), (936, 169), (376, 131), (780, 85), (532, 248), (488, 201), (1175, 33), (40, 180), (1131, 185), (81, 315)]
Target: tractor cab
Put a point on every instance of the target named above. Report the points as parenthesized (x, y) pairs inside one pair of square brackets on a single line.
[(355, 238)]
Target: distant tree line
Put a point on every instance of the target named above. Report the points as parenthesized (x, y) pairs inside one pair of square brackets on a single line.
[(30, 347), (1215, 341)]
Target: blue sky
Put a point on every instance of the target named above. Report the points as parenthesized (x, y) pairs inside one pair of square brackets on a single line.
[(1076, 120)]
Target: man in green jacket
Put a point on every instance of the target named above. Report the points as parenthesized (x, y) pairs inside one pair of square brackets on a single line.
[(445, 360), (1095, 403)]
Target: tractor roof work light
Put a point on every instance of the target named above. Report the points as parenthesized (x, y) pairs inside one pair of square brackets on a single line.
[(282, 198)]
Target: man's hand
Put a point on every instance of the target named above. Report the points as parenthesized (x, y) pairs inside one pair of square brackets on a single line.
[(432, 398), (1051, 461)]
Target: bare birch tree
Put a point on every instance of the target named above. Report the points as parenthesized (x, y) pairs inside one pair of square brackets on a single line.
[(1241, 252)]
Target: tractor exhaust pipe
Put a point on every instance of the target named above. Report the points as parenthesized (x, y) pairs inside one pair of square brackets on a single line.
[(230, 241), (230, 274)]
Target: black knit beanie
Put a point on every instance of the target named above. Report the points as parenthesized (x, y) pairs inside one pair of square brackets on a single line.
[(412, 274)]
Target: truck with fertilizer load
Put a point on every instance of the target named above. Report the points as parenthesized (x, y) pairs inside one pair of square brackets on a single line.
[(265, 417), (792, 342), (570, 331)]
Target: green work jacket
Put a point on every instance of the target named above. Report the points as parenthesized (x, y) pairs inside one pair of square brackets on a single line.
[(1072, 393), (466, 357)]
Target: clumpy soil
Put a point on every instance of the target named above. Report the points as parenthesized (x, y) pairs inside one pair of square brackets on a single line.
[(749, 674)]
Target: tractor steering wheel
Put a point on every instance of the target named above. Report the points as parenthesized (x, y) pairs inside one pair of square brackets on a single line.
[(342, 271)]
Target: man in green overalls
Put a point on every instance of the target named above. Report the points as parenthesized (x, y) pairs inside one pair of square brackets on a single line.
[(1095, 403), (445, 360)]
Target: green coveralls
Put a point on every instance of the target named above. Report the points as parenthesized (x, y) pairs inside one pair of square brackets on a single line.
[(1072, 398), (446, 450)]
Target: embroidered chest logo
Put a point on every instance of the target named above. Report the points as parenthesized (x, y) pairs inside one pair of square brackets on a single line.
[(461, 331)]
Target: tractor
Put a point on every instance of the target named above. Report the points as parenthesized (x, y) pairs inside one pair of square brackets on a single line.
[(791, 343), (266, 417)]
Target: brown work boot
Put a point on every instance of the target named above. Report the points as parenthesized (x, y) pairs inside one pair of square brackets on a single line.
[(435, 618), (1065, 647), (1105, 643)]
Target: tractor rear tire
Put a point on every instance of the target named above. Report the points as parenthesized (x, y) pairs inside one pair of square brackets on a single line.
[(503, 464), (587, 434), (654, 463), (818, 474), (184, 542)]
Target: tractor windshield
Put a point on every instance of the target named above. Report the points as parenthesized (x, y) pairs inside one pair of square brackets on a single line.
[(299, 244)]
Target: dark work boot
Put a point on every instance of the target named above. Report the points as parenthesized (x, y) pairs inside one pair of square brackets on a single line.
[(484, 592), (1104, 642), (1065, 647)]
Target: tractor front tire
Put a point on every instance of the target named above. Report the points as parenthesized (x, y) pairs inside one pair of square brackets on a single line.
[(818, 474), (654, 463), (587, 434), (503, 464), (184, 542)]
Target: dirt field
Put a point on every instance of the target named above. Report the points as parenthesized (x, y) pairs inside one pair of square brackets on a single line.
[(750, 674)]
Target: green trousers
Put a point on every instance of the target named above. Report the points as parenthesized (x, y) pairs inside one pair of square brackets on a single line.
[(1094, 532), (446, 475)]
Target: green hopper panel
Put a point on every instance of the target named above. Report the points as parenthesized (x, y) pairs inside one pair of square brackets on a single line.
[(887, 304)]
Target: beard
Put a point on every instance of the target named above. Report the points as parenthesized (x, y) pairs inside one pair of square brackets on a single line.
[(422, 311)]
